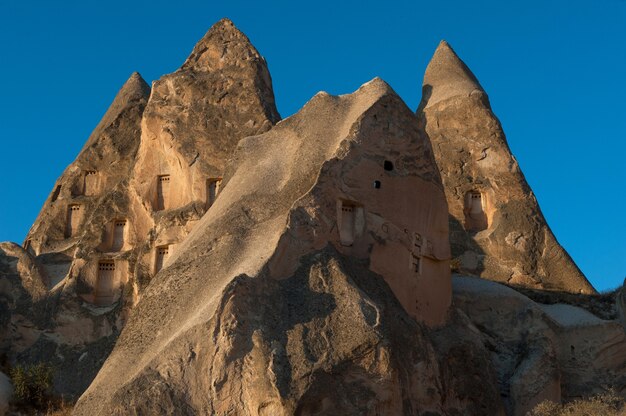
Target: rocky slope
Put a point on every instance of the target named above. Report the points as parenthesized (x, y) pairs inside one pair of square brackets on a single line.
[(497, 230)]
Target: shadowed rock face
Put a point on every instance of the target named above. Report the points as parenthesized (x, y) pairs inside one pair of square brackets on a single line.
[(282, 300), (497, 230), (104, 163)]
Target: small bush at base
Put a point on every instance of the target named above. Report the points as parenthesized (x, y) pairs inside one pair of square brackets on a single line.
[(605, 404), (32, 383)]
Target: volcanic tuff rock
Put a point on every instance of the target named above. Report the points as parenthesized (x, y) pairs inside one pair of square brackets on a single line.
[(111, 220), (190, 128), (281, 300), (542, 352), (497, 230), (319, 280), (66, 242)]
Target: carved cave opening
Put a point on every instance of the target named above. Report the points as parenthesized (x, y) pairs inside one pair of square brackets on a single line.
[(162, 252), (212, 189), (162, 192), (105, 284), (119, 235), (474, 210), (74, 213)]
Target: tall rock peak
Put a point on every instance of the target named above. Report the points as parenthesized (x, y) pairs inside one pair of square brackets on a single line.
[(447, 76), (497, 230), (223, 45), (136, 85)]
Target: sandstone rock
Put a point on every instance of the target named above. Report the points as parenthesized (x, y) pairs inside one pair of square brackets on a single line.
[(276, 302), (542, 352), (497, 230), (190, 128), (100, 236)]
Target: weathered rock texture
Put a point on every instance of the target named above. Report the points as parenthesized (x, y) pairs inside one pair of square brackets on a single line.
[(68, 240), (109, 225), (283, 298), (542, 352), (318, 282), (190, 128), (497, 230)]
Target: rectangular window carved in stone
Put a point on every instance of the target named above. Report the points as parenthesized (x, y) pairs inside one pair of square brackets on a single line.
[(162, 192), (73, 219), (212, 189), (119, 228), (90, 184), (106, 283), (161, 256)]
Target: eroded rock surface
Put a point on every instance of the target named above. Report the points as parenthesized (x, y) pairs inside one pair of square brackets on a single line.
[(542, 352), (112, 219), (277, 302), (497, 230)]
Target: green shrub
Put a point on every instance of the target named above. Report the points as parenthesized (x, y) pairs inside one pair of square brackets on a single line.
[(32, 383)]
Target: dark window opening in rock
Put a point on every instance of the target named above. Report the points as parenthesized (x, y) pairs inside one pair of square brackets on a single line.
[(90, 182), (388, 165), (161, 256), (162, 193), (346, 230), (73, 220), (105, 284), (416, 264), (212, 189), (474, 209), (56, 193), (377, 184), (417, 244), (119, 228)]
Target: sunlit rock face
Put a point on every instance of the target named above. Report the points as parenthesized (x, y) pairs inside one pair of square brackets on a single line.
[(497, 230), (190, 128), (305, 287), (149, 171)]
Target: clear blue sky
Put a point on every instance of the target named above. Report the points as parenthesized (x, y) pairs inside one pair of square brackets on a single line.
[(555, 72)]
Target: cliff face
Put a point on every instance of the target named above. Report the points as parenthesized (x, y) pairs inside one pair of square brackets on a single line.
[(148, 172), (497, 230), (192, 123), (294, 294)]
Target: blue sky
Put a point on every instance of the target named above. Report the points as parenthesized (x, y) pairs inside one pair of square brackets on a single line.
[(554, 70)]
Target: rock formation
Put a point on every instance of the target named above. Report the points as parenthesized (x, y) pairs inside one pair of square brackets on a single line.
[(191, 126), (223, 262), (497, 230), (283, 298), (542, 352), (147, 174)]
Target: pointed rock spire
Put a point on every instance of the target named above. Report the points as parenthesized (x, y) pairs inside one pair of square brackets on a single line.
[(497, 230), (447, 76), (223, 45), (134, 89)]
